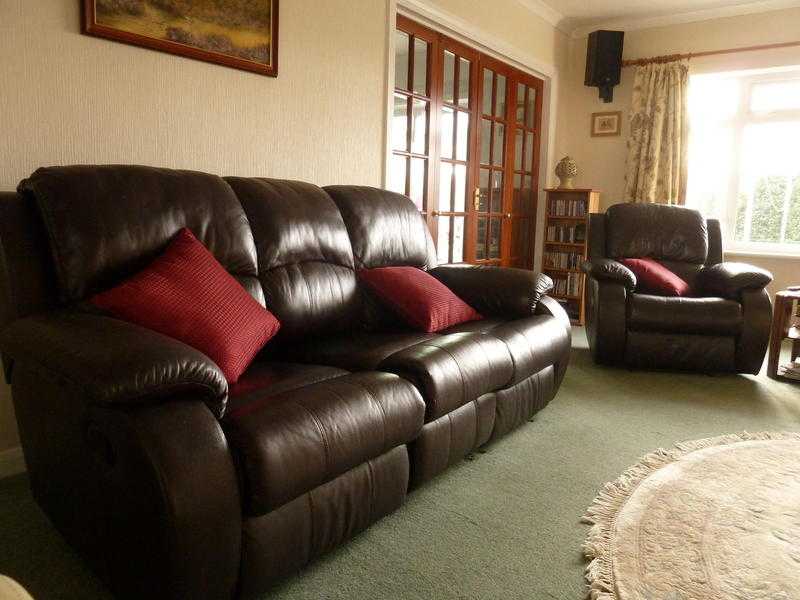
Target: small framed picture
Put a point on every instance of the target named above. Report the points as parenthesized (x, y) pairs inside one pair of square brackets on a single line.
[(606, 124)]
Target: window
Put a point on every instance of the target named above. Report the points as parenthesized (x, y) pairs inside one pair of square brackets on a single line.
[(743, 157)]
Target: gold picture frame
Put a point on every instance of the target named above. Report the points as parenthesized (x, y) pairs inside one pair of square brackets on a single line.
[(242, 34), (606, 124)]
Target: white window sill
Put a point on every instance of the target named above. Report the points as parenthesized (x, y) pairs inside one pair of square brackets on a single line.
[(764, 253)]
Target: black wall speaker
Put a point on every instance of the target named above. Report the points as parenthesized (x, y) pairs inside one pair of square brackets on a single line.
[(604, 61)]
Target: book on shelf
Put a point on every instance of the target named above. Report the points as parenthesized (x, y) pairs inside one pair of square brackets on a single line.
[(562, 260), (568, 286), (572, 234), (567, 208)]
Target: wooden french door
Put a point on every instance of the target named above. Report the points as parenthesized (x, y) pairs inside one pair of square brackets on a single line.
[(465, 147)]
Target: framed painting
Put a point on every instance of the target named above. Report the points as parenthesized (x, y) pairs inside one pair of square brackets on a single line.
[(606, 124), (236, 33)]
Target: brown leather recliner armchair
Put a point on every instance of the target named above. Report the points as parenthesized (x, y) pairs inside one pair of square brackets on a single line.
[(723, 326)]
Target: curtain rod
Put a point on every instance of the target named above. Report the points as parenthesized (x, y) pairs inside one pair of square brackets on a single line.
[(675, 57)]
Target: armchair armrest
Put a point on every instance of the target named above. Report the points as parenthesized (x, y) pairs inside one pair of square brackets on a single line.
[(498, 291), (730, 279), (606, 269), (113, 361)]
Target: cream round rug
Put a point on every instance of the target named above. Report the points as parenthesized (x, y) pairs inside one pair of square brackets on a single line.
[(710, 519)]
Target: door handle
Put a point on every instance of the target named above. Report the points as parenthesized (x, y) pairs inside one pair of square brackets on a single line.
[(476, 198), (508, 215)]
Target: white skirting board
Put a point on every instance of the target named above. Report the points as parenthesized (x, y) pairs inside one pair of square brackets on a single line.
[(11, 462)]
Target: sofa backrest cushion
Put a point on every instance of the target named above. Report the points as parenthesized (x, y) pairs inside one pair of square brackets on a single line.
[(105, 223), (304, 255), (656, 231), (386, 229)]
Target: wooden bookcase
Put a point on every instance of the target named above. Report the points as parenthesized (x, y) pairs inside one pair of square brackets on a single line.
[(565, 245)]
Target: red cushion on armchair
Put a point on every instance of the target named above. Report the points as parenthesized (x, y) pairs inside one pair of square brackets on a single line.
[(186, 294), (420, 299), (654, 278)]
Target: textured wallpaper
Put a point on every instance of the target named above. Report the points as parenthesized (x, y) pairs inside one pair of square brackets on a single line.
[(70, 98)]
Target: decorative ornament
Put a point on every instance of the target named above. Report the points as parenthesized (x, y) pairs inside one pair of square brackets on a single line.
[(566, 171)]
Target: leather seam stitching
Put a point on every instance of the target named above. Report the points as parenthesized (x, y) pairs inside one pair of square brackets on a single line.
[(322, 436), (372, 489), (385, 421)]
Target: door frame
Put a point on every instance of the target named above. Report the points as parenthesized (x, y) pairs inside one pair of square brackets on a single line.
[(473, 37)]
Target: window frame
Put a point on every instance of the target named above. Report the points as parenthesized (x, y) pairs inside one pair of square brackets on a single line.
[(738, 122)]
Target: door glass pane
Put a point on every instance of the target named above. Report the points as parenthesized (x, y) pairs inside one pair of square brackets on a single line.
[(400, 123), (483, 198), (497, 191), (449, 77), (486, 140), (518, 150), (494, 238), (460, 193), (420, 66), (529, 195), (516, 203), (458, 239), (419, 126), (520, 240), (445, 186), (530, 111), (397, 178), (443, 242), (499, 144), (447, 132), (480, 242), (401, 42), (487, 92), (528, 152), (500, 102), (463, 82), (462, 135), (417, 183), (520, 103)]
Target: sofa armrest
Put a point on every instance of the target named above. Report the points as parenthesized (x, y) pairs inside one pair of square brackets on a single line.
[(607, 269), (113, 361), (147, 493), (730, 279), (497, 291)]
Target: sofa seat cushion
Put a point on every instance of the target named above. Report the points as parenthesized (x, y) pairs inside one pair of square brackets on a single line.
[(452, 370), (709, 316), (289, 443), (265, 378), (355, 352), (534, 342)]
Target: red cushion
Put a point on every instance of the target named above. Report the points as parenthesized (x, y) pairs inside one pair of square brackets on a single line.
[(655, 278), (186, 294), (420, 299)]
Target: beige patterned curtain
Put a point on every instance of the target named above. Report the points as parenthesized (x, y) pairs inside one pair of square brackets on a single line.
[(659, 142)]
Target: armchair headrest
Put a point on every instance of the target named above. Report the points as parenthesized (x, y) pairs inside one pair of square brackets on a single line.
[(657, 231)]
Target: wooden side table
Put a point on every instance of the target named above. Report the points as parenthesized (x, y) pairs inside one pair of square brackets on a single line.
[(782, 329)]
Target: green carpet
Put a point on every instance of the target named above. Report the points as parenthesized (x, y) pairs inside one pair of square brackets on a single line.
[(504, 525)]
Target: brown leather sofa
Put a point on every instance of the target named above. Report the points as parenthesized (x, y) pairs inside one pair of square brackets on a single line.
[(723, 326), (175, 485)]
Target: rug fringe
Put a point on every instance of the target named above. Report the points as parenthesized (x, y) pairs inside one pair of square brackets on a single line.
[(601, 515)]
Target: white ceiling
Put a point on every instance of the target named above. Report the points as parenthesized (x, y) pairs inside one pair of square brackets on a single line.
[(579, 17)]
